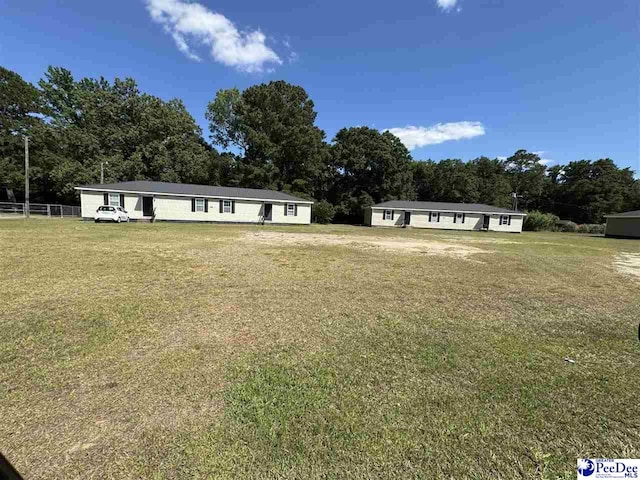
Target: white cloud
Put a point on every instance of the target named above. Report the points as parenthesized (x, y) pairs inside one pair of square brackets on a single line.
[(543, 161), (447, 5), (414, 137), (192, 24)]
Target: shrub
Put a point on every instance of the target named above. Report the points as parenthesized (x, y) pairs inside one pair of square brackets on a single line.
[(567, 226), (538, 221), (323, 212), (593, 228)]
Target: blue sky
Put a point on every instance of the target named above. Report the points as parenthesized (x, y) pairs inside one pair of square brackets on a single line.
[(472, 77)]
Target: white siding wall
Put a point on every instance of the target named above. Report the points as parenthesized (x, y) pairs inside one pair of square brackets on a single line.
[(516, 224), (303, 216), (90, 201), (133, 205), (420, 219), (378, 215), (472, 221), (179, 208)]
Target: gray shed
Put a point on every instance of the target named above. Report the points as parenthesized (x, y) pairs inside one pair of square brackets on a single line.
[(623, 225)]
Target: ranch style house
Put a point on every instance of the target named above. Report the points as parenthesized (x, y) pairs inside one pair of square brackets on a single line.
[(443, 215), (161, 201)]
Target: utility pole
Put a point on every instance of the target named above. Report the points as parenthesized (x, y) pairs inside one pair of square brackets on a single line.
[(26, 176), (102, 164)]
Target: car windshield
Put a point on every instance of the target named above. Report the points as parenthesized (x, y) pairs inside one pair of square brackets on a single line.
[(106, 209)]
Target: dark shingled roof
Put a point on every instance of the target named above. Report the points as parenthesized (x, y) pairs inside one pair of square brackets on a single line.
[(446, 207), (195, 190), (634, 213)]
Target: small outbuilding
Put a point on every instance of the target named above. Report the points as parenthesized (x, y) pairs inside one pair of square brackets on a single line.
[(443, 215), (623, 225), (180, 202)]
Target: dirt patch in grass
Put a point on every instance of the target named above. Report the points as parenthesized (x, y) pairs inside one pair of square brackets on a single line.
[(628, 263), (414, 246)]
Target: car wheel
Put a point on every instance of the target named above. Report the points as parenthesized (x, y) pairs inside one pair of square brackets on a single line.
[(118, 220), (97, 221)]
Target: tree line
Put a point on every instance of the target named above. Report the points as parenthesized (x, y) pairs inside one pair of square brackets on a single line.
[(266, 137)]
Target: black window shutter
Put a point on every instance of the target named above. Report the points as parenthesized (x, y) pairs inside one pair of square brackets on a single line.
[(509, 220), (455, 217), (286, 207), (122, 200), (106, 199), (438, 216), (221, 204), (295, 213), (193, 204), (233, 206), (463, 215), (392, 212), (206, 205)]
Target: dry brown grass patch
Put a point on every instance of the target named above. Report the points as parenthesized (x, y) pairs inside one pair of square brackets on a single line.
[(392, 244)]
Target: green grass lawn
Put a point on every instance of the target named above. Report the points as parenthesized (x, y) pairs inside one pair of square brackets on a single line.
[(209, 351)]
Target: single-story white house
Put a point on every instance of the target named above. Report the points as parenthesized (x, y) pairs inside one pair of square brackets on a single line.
[(443, 215), (623, 225), (161, 201)]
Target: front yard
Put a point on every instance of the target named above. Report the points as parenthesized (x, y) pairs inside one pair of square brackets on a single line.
[(185, 350)]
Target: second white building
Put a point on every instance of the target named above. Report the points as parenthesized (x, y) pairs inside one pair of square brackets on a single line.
[(452, 216)]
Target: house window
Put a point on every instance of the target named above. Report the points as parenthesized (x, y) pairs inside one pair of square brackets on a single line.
[(505, 219), (199, 204), (434, 216), (226, 206), (458, 218), (114, 199), (387, 215), (291, 210)]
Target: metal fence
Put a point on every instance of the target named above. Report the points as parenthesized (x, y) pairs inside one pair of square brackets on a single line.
[(50, 210)]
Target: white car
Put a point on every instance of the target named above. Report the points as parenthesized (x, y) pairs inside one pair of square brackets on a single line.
[(107, 213)]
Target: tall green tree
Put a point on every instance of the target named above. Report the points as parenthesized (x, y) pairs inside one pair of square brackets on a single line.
[(526, 175), (274, 126), (423, 172), (454, 181), (20, 107), (492, 184), (369, 167), (136, 135), (588, 190)]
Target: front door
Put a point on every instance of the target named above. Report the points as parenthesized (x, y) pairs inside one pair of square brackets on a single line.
[(485, 222), (147, 206), (407, 218), (268, 208)]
